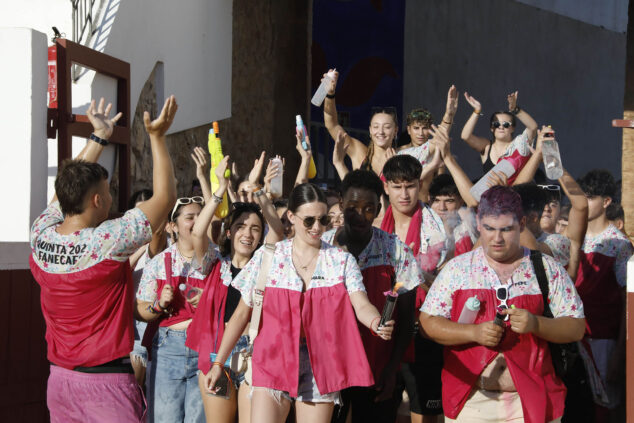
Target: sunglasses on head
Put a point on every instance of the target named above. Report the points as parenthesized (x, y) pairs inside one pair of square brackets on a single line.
[(310, 220), (497, 124), (502, 294), (550, 187), (183, 201), (419, 115)]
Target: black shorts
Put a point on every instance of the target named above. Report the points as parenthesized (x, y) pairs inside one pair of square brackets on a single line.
[(421, 379)]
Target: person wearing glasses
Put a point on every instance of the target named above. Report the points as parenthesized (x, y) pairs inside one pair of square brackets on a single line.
[(243, 234), (384, 261), (502, 125), (501, 372), (308, 347), (80, 259)]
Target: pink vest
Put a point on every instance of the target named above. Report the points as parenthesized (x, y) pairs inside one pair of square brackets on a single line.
[(528, 357), (336, 352), (88, 313), (601, 295)]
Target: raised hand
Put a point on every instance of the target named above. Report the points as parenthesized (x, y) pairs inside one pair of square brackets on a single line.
[(473, 102), (102, 126), (159, 126), (545, 134), (452, 100), (220, 172), (340, 150), (305, 154), (440, 138), (512, 99), (497, 178), (256, 171), (199, 156), (272, 170), (333, 84)]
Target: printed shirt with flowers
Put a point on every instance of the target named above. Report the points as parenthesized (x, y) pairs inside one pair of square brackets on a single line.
[(334, 266), (387, 250), (559, 245), (155, 269), (434, 242), (472, 271), (420, 153), (611, 243), (115, 239)]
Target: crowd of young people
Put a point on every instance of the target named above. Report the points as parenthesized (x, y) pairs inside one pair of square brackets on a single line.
[(278, 309)]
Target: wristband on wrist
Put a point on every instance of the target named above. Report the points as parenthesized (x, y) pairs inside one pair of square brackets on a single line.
[(216, 199), (516, 110), (448, 123), (477, 112), (259, 193), (98, 140), (330, 96), (217, 363), (156, 308)]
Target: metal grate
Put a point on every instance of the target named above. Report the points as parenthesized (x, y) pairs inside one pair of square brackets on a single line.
[(82, 20)]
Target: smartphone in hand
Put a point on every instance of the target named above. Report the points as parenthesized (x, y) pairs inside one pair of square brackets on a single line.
[(222, 386)]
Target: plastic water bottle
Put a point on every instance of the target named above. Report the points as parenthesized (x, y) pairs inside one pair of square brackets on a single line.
[(276, 183), (503, 166), (470, 310), (321, 92), (189, 291), (552, 159), (299, 124)]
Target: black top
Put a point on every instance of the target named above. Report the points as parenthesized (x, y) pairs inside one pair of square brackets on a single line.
[(488, 163), (233, 296)]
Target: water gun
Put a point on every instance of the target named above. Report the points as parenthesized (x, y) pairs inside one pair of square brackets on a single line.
[(215, 150), (312, 170)]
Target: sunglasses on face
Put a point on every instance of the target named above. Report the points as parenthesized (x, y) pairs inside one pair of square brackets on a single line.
[(497, 124), (183, 201), (502, 293), (309, 221)]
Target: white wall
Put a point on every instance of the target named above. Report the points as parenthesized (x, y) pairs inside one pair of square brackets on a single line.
[(23, 150)]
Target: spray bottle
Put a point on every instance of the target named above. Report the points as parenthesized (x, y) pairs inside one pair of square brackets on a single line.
[(312, 170)]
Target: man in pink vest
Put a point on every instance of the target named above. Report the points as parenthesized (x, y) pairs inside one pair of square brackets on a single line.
[(498, 366), (80, 260)]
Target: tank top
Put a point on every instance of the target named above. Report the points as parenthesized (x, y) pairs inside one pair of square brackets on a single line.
[(488, 163)]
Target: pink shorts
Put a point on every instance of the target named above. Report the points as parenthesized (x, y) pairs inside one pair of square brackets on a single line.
[(93, 397)]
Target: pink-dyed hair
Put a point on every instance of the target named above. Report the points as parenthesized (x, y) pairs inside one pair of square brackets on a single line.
[(500, 200)]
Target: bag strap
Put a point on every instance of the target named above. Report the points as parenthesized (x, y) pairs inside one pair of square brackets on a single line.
[(258, 292), (540, 272)]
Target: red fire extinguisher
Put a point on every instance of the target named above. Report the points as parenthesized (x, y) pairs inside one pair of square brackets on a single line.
[(52, 77)]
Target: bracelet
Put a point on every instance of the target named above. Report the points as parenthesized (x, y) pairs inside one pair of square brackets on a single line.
[(217, 363), (259, 193), (372, 324), (156, 308), (330, 96), (448, 123), (516, 110), (216, 199), (98, 140), (477, 112)]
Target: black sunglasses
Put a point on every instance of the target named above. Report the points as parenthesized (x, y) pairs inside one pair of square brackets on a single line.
[(310, 220), (497, 124)]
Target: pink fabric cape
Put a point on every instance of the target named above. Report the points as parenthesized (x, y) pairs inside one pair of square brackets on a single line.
[(336, 352), (204, 333), (601, 295), (88, 313), (528, 357)]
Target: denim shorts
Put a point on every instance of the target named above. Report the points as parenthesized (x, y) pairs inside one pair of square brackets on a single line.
[(307, 388), (243, 344), (172, 380), (139, 352)]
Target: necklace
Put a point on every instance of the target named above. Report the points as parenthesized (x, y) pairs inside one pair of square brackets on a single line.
[(305, 267), (181, 253)]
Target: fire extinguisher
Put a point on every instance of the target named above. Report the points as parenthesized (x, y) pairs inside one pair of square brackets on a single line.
[(52, 71)]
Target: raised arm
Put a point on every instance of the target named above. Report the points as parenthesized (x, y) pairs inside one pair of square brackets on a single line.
[(577, 220), (200, 236), (339, 153), (355, 148), (450, 109), (302, 173), (528, 171), (464, 184), (163, 181), (199, 156), (475, 142), (523, 117), (276, 227)]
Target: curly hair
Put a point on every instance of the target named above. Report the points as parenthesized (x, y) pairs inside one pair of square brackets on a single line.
[(599, 182), (364, 179), (74, 181)]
